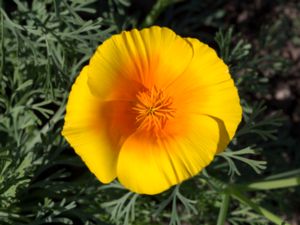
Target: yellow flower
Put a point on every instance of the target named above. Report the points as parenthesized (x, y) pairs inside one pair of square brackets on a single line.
[(152, 109)]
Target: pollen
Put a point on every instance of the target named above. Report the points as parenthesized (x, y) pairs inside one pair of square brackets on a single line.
[(153, 109)]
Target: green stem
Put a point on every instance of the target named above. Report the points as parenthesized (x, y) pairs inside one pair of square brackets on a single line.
[(274, 184), (284, 175), (2, 54), (159, 6), (264, 212), (223, 210)]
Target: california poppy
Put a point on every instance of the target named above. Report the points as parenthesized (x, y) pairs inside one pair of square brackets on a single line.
[(152, 109)]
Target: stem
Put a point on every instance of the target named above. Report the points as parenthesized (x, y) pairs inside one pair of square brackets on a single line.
[(274, 184), (159, 6), (223, 210), (262, 211), (284, 175), (2, 50)]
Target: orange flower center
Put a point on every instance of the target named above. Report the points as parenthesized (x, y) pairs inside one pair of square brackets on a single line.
[(153, 109)]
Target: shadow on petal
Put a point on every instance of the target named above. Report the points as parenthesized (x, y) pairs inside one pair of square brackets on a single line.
[(119, 121), (223, 134)]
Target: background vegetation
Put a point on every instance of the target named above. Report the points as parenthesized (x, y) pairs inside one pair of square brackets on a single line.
[(45, 43)]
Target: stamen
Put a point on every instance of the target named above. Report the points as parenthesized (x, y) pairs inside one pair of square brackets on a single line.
[(153, 109)]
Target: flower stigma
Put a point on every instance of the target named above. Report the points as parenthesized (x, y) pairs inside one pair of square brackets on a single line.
[(153, 109)]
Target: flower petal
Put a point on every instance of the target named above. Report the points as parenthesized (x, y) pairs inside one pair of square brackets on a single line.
[(207, 88), (222, 103), (83, 129), (150, 165), (152, 56)]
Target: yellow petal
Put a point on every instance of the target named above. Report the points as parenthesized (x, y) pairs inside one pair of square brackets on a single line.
[(223, 104), (207, 88), (135, 59), (151, 164), (85, 132)]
